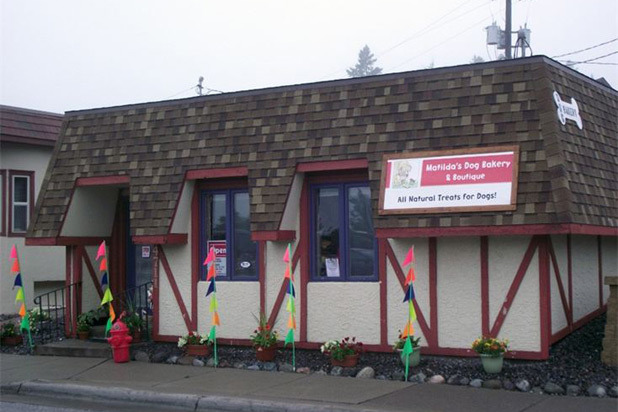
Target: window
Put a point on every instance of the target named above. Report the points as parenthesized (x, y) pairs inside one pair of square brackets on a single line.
[(343, 244), (21, 193), (2, 203), (225, 224)]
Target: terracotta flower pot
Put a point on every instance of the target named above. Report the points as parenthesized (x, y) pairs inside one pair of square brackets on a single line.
[(11, 340), (198, 350), (349, 361), (83, 335), (265, 354)]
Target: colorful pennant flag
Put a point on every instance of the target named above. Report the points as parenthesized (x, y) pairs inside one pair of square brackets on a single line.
[(290, 307), (104, 280), (107, 297), (20, 297), (408, 330), (409, 259), (214, 303), (107, 294), (101, 251), (103, 265)]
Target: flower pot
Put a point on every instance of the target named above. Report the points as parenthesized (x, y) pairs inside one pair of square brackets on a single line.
[(198, 350), (349, 361), (265, 354), (11, 340), (83, 335), (415, 356), (492, 363)]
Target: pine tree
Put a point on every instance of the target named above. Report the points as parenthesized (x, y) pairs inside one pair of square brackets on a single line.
[(364, 66)]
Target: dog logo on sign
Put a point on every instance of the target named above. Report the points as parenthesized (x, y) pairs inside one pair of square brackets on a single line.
[(568, 110)]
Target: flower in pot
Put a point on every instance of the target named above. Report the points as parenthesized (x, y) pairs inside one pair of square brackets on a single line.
[(343, 353), (195, 344), (83, 326), (491, 351), (264, 341), (415, 356), (135, 324), (10, 337)]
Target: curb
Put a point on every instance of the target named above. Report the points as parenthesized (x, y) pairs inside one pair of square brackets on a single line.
[(176, 400)]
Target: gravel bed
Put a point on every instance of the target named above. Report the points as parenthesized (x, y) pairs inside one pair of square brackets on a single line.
[(575, 360)]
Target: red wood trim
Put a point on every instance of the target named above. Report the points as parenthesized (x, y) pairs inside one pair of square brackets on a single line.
[(165, 338), (600, 263), (77, 277), (174, 286), (217, 173), (303, 245), (427, 332), (93, 274), (169, 239), (262, 275), (528, 355), (65, 241), (332, 165), (545, 293), (155, 292), (31, 201), (570, 275), (578, 324), (41, 241), (521, 271), (28, 140), (102, 181), (563, 298), (485, 285), (433, 289), (195, 256), (3, 183), (382, 276), (69, 307), (274, 235), (496, 230), (282, 291)]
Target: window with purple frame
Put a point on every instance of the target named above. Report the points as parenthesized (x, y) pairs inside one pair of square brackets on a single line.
[(343, 244), (225, 225)]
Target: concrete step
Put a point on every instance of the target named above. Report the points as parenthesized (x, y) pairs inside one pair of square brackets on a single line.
[(75, 348)]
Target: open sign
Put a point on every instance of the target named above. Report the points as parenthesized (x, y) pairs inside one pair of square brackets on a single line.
[(220, 247)]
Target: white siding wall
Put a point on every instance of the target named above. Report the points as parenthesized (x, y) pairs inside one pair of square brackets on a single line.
[(90, 296), (609, 254), (558, 317), (585, 275), (170, 316)]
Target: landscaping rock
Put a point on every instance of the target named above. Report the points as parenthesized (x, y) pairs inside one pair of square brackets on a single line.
[(537, 390), (613, 392), (436, 379), (198, 362), (523, 385), (186, 360), (286, 367), (269, 366), (159, 356), (210, 363), (349, 372), (172, 360), (304, 370), (465, 381), (573, 390), (492, 384), (418, 378), (223, 363), (597, 390), (366, 373), (240, 365), (141, 356), (321, 372), (508, 385), (553, 389), (398, 376), (254, 367), (476, 383), (336, 371), (381, 377), (456, 380)]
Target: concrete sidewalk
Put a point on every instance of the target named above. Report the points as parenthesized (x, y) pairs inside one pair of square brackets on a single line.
[(202, 388)]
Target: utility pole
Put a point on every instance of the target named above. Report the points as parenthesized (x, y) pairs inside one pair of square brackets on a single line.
[(507, 32)]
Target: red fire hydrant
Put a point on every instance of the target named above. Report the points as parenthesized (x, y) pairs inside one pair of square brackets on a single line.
[(120, 341)]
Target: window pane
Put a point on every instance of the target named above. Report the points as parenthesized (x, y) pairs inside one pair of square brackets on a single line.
[(217, 217), (244, 248), (327, 232), (20, 218), (360, 232), (20, 189)]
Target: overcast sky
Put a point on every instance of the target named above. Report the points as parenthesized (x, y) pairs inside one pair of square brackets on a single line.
[(60, 55)]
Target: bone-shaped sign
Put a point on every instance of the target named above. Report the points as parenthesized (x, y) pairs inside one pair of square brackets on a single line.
[(568, 110)]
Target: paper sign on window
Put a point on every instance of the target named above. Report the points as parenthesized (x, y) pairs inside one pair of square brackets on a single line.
[(220, 256)]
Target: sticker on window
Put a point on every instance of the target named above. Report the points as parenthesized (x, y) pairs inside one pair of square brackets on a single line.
[(332, 267), (245, 264)]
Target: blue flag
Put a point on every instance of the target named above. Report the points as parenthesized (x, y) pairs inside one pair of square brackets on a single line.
[(17, 281), (293, 290), (104, 279), (409, 293), (211, 288)]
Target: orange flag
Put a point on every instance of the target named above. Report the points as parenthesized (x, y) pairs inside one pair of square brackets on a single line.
[(287, 272), (103, 265), (15, 267), (411, 276), (292, 322), (408, 330), (211, 272), (112, 314), (22, 310), (215, 319)]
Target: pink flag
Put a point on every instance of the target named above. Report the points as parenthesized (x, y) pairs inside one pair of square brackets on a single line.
[(409, 257), (13, 252), (211, 256), (286, 257), (101, 251)]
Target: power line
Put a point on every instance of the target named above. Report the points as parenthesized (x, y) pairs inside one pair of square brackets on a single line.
[(586, 49), (590, 61)]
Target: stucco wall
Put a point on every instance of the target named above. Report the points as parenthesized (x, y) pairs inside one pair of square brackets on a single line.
[(522, 323), (91, 212), (585, 275), (609, 258), (275, 269), (459, 291), (90, 296), (170, 316), (182, 219), (38, 263), (397, 311), (558, 317)]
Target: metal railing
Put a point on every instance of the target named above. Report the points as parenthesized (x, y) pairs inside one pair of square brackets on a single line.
[(137, 300), (56, 315)]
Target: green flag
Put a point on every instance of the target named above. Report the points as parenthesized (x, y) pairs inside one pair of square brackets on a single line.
[(406, 351), (108, 327), (411, 311), (289, 337), (291, 307), (25, 323), (214, 305), (212, 335), (107, 297), (20, 295)]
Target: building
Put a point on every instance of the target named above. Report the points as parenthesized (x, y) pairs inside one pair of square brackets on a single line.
[(27, 139), (316, 165)]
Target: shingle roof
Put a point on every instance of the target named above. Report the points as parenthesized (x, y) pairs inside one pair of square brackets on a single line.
[(20, 125), (565, 174)]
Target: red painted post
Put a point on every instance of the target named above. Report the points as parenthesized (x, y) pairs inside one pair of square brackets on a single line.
[(485, 285)]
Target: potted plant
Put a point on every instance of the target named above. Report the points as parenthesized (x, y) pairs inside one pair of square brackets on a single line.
[(491, 351), (343, 353), (415, 356), (10, 337), (135, 324), (194, 344), (83, 326), (264, 341)]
